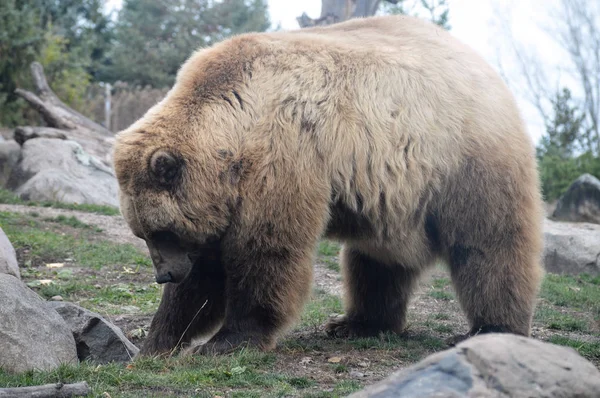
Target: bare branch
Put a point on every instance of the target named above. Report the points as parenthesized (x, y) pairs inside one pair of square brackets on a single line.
[(47, 391)]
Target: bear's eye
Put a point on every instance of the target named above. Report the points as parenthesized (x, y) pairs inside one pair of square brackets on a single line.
[(165, 166)]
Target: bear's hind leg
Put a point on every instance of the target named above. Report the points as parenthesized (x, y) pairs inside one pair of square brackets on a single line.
[(377, 296), (496, 289), (193, 307)]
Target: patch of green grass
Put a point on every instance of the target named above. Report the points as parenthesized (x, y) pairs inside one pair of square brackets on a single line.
[(331, 264), (319, 308), (329, 248), (441, 316), (441, 328), (589, 350), (440, 283), (69, 221), (8, 197), (558, 321), (250, 372), (413, 347), (111, 299), (441, 295), (580, 293), (48, 246)]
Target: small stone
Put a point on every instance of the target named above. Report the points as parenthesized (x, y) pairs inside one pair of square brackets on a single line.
[(363, 364), (8, 257), (305, 361), (56, 298), (356, 374), (335, 360), (97, 286), (97, 339)]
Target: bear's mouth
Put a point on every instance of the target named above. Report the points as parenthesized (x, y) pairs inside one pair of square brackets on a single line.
[(174, 259)]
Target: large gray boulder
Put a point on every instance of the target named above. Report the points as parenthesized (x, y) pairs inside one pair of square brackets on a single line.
[(494, 365), (9, 157), (60, 170), (31, 337), (581, 202), (571, 248), (8, 257), (97, 339)]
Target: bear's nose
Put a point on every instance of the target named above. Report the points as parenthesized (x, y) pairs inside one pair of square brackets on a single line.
[(164, 278)]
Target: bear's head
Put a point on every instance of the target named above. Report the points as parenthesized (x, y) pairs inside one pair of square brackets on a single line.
[(178, 170)]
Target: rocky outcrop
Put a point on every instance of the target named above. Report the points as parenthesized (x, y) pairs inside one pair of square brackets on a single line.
[(97, 339), (494, 365), (581, 202), (23, 134), (9, 157), (571, 248), (60, 170), (31, 337), (8, 257)]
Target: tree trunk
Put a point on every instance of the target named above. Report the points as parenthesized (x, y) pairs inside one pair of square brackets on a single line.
[(47, 391), (94, 138), (333, 11)]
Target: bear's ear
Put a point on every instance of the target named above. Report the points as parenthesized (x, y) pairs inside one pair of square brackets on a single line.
[(164, 166)]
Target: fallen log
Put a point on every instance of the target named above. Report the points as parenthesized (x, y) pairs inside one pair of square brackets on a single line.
[(55, 113), (47, 391), (94, 138)]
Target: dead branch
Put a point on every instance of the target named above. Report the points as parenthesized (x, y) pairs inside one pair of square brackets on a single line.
[(47, 391), (55, 113)]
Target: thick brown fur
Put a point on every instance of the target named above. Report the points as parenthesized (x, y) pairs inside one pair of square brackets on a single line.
[(385, 133)]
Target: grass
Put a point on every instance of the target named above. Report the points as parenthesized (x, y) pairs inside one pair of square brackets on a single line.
[(441, 295), (248, 372), (319, 309), (71, 221), (556, 320), (8, 197), (577, 292), (116, 279), (46, 245), (328, 252), (589, 350)]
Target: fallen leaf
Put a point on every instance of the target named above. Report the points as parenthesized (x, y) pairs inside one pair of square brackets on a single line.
[(55, 265), (45, 281), (335, 360)]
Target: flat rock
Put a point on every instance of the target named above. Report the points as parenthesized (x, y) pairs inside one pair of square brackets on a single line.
[(60, 170), (97, 339), (494, 365), (9, 157), (23, 134), (31, 337), (571, 248), (581, 202), (8, 257)]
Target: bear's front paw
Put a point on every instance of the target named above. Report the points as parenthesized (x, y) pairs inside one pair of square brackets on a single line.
[(226, 342), (344, 327), (339, 327)]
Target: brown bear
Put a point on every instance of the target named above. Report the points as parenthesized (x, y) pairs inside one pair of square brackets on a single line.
[(384, 133)]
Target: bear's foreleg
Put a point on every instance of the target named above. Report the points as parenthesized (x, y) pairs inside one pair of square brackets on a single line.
[(376, 295), (193, 307), (265, 293)]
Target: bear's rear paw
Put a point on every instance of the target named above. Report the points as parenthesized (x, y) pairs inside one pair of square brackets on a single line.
[(225, 342), (341, 327)]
